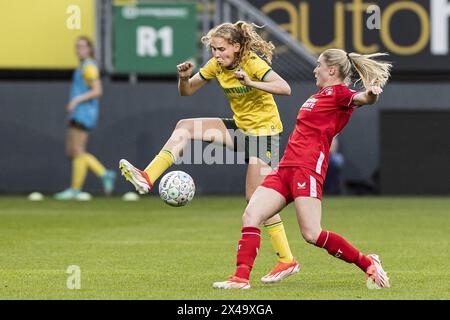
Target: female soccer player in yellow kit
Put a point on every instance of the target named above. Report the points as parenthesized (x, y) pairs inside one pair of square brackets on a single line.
[(249, 82)]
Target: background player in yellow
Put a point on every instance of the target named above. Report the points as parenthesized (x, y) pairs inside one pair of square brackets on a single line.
[(83, 109), (249, 82)]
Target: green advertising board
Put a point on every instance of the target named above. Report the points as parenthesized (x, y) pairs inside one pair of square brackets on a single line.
[(154, 38)]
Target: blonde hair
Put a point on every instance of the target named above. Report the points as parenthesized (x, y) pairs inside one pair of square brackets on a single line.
[(243, 33), (370, 71)]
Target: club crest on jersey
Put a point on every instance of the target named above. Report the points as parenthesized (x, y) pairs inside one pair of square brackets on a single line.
[(328, 91)]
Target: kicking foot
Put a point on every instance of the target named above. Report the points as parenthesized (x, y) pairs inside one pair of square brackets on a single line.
[(138, 178)]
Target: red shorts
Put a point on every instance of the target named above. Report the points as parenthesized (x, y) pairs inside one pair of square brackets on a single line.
[(293, 182)]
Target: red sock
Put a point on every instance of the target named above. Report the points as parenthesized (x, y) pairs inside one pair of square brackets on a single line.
[(247, 250), (340, 248)]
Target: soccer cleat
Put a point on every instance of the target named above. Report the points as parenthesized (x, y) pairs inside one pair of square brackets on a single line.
[(138, 178), (281, 271), (108, 181), (376, 277), (233, 282), (68, 194)]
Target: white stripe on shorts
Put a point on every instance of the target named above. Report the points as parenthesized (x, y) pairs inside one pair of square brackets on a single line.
[(312, 187), (319, 162)]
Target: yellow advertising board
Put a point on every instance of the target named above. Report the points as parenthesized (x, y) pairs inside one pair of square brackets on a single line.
[(40, 34)]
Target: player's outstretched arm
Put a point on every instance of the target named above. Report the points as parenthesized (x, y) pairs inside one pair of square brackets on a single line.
[(370, 96)]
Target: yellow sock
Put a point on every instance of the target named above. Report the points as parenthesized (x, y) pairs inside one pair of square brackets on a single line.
[(95, 165), (279, 242), (79, 170), (159, 164)]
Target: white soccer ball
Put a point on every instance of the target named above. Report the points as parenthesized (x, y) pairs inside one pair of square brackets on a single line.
[(177, 188)]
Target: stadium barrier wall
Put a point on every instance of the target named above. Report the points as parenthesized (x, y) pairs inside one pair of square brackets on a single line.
[(136, 120)]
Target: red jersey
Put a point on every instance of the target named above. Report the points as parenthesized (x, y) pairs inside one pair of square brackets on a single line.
[(319, 119)]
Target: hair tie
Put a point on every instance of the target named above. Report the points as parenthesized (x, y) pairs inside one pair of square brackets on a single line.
[(350, 60)]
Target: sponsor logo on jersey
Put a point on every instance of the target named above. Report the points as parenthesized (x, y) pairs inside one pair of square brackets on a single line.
[(237, 90), (309, 104)]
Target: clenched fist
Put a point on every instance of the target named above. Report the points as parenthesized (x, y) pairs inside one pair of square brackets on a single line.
[(185, 69)]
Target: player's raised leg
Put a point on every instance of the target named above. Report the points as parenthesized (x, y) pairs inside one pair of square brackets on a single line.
[(264, 204), (309, 211), (206, 129)]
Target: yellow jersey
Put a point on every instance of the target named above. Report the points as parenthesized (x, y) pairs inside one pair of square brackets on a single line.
[(255, 111), (90, 73)]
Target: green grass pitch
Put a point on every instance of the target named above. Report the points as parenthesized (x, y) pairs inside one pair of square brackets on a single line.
[(148, 250)]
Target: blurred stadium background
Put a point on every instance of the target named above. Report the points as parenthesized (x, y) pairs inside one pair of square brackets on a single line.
[(399, 146)]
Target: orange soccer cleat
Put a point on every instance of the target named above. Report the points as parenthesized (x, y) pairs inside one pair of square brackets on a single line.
[(137, 177), (376, 277), (233, 282), (281, 271)]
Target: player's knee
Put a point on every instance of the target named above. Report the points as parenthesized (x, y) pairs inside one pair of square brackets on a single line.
[(186, 124), (250, 219), (78, 152), (184, 129), (310, 236), (70, 152)]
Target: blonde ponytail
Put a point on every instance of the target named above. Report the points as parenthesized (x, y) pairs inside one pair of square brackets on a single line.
[(370, 71)]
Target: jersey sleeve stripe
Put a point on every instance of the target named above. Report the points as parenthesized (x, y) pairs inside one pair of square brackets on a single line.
[(265, 74), (201, 76)]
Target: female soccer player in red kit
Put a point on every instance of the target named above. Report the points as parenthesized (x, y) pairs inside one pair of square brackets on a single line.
[(301, 172)]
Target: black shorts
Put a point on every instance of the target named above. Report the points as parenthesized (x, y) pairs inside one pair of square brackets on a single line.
[(266, 148), (75, 124)]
